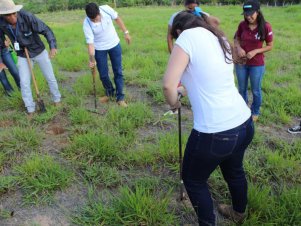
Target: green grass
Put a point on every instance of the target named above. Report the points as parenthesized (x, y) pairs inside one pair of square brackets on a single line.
[(16, 141), (80, 116), (40, 176), (49, 115), (95, 147), (276, 209), (103, 174), (130, 156), (7, 183), (137, 206)]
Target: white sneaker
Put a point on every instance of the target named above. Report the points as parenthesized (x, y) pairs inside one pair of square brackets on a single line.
[(294, 130)]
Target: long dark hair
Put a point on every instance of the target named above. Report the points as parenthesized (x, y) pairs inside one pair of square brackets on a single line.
[(260, 25), (186, 20)]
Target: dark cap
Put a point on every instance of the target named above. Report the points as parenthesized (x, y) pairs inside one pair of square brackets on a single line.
[(250, 7)]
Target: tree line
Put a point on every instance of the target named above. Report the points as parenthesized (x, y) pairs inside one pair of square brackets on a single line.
[(38, 6)]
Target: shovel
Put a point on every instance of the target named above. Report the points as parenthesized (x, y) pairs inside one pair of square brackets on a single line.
[(41, 104)]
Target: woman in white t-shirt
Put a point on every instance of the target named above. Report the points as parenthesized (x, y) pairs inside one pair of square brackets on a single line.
[(222, 128)]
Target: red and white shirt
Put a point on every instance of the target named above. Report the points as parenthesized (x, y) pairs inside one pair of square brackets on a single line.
[(250, 40)]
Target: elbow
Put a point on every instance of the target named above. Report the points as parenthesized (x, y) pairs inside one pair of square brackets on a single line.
[(166, 86), (166, 91), (169, 86), (270, 46)]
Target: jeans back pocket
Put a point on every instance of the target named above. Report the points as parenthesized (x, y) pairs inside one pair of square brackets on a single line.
[(223, 145)]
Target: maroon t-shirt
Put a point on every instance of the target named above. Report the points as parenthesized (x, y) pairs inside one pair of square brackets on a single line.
[(249, 40)]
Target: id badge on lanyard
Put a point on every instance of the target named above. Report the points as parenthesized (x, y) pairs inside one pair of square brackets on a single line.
[(16, 43), (16, 46)]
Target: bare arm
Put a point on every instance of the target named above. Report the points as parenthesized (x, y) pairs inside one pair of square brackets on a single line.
[(240, 51), (268, 47), (91, 52), (121, 25), (169, 39), (178, 61)]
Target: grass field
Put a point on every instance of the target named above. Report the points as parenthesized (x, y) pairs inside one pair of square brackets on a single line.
[(71, 166)]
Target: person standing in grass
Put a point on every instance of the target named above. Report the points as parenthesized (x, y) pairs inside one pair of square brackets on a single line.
[(102, 40), (23, 29), (6, 61), (193, 7), (252, 32), (222, 124)]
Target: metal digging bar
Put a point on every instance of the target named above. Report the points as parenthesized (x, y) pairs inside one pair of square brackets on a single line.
[(180, 151), (93, 70), (41, 104)]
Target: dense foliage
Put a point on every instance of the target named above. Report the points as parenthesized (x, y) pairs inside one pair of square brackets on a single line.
[(38, 6)]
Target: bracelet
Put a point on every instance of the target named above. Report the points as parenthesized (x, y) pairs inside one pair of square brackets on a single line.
[(126, 32)]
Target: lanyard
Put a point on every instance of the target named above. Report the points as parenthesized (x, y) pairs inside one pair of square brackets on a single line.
[(12, 31)]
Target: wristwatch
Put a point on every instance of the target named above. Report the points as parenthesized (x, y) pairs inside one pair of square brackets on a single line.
[(126, 32)]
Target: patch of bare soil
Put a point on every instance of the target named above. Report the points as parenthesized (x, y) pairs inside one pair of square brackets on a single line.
[(71, 78), (56, 214), (277, 131), (59, 212), (6, 123)]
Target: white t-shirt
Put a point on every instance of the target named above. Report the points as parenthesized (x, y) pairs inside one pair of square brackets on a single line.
[(174, 15), (102, 34), (216, 104)]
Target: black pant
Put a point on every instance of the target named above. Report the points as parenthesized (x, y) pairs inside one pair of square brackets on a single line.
[(204, 152)]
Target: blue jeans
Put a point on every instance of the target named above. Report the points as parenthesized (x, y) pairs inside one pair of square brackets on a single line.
[(101, 57), (45, 65), (243, 72), (10, 64), (5, 83), (204, 152)]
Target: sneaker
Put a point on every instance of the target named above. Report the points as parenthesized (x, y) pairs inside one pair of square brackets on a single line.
[(294, 130), (171, 112), (104, 99), (30, 115), (255, 118), (122, 103), (228, 212)]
